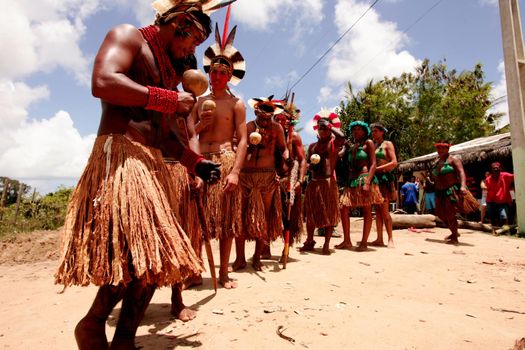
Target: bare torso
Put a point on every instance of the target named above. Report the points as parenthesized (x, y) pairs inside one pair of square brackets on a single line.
[(328, 151), (220, 133), (143, 71), (263, 154)]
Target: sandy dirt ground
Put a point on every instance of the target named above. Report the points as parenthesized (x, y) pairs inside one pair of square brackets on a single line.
[(423, 294)]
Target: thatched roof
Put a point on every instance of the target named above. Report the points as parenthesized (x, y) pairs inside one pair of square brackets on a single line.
[(477, 150)]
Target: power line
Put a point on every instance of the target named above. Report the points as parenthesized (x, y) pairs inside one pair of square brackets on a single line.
[(333, 45), (404, 32)]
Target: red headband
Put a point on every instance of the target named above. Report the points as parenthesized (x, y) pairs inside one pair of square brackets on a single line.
[(442, 144)]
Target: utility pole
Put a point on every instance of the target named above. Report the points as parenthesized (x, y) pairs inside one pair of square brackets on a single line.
[(514, 57)]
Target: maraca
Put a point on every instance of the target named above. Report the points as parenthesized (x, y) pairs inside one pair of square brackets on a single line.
[(315, 158), (194, 81), (255, 137)]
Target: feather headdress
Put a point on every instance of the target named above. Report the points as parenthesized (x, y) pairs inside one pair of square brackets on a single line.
[(328, 115), (162, 7), (266, 104), (290, 110), (223, 52)]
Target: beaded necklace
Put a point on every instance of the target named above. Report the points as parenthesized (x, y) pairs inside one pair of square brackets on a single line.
[(167, 73)]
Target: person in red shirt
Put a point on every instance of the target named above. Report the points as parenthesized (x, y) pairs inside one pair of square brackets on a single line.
[(499, 184)]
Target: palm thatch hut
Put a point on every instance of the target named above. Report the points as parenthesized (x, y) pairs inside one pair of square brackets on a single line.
[(476, 155), (474, 152)]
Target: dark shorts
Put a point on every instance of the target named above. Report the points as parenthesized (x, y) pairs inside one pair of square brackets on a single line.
[(498, 211)]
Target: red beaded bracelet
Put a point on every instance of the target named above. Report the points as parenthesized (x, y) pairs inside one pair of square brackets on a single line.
[(162, 100)]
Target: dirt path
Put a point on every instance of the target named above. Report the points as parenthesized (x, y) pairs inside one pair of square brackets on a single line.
[(423, 294)]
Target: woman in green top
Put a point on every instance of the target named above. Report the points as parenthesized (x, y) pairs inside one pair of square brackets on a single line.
[(386, 162), (361, 189), (449, 179)]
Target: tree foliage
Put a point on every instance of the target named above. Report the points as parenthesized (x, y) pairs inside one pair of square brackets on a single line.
[(13, 186), (36, 212), (420, 108)]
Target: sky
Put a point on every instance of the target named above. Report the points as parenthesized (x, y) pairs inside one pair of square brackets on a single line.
[(50, 119)]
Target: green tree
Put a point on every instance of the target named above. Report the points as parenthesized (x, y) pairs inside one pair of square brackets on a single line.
[(419, 108), (12, 189)]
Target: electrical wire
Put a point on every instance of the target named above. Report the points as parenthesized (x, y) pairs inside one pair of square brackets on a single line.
[(368, 62), (333, 45)]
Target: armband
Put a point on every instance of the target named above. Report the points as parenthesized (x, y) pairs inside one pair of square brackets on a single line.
[(162, 100)]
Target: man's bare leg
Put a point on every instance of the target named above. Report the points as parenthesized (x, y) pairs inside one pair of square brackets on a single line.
[(328, 231), (178, 309), (345, 223), (309, 244), (240, 257), (367, 226), (266, 252), (134, 305), (90, 332), (225, 246), (256, 262)]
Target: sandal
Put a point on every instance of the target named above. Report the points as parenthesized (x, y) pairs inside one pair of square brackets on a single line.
[(307, 246)]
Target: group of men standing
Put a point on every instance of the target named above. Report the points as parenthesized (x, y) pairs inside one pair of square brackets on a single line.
[(161, 160)]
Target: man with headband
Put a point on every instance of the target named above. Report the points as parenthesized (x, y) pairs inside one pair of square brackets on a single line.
[(120, 232), (261, 199), (321, 198), (219, 117)]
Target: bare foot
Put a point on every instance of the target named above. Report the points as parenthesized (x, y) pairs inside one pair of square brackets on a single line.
[(326, 250), (227, 283), (378, 243), (307, 246), (185, 314), (453, 241), (344, 245), (452, 237), (192, 281), (90, 333), (391, 243), (257, 265), (238, 265), (362, 248)]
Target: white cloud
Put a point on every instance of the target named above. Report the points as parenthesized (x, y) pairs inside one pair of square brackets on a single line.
[(325, 94), (144, 12), (281, 81), (260, 15), (15, 97), (489, 2), (371, 50), (39, 36), (499, 93), (36, 37), (49, 149)]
